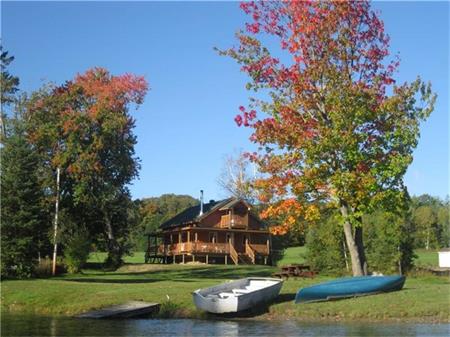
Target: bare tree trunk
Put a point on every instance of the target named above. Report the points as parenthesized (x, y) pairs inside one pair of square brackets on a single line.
[(360, 245), (400, 271), (345, 256), (55, 229), (351, 244), (113, 247), (427, 243)]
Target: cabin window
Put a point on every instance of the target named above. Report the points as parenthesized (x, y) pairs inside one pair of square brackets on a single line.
[(213, 237)]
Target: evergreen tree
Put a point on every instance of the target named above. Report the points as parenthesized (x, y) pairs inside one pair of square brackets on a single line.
[(8, 85), (21, 215)]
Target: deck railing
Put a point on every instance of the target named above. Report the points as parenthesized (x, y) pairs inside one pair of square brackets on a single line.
[(249, 252), (206, 247), (227, 221), (262, 249), (193, 247)]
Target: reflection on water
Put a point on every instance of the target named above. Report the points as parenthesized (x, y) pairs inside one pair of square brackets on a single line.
[(27, 325)]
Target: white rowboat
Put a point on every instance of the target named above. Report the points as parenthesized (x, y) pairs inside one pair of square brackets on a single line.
[(237, 295)]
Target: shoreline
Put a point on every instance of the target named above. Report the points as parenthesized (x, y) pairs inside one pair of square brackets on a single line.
[(423, 299), (186, 314)]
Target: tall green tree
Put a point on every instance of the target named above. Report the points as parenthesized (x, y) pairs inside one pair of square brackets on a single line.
[(389, 238), (23, 222), (425, 219), (84, 127), (9, 85), (156, 210), (443, 217), (332, 126)]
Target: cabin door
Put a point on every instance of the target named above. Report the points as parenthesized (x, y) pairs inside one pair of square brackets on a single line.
[(230, 238)]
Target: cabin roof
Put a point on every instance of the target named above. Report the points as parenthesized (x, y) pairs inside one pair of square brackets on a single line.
[(232, 202), (191, 214)]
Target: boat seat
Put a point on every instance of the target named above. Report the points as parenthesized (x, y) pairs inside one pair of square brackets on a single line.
[(225, 295), (241, 291)]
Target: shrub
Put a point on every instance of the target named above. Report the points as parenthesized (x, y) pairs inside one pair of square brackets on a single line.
[(76, 250), (44, 267), (168, 309), (325, 251), (389, 242)]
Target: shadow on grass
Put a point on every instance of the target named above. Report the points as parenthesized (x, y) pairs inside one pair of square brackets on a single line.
[(284, 298), (94, 265), (177, 275), (107, 280), (203, 272)]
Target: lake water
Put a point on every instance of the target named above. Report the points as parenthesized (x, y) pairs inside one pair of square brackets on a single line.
[(26, 325)]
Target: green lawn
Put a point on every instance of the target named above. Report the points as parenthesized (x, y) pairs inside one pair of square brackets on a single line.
[(427, 258), (293, 255), (424, 298), (99, 257)]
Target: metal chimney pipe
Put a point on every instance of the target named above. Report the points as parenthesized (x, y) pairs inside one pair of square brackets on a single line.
[(201, 202)]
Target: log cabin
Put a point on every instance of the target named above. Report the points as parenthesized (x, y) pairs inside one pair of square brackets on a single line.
[(223, 232)]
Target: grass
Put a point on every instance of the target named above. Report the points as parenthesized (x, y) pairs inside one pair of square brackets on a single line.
[(99, 257), (293, 255), (427, 258), (423, 299)]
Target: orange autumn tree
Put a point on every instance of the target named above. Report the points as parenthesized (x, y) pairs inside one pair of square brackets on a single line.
[(332, 125), (84, 128)]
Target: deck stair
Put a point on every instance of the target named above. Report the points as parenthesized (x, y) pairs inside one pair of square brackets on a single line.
[(233, 254), (245, 259)]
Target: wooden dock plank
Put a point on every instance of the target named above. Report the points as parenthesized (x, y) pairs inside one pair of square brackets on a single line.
[(125, 310)]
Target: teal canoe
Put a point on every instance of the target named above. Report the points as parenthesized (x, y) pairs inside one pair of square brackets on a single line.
[(350, 287)]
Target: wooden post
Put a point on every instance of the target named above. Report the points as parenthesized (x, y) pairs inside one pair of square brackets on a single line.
[(206, 258), (55, 243), (182, 258), (188, 236), (196, 236), (265, 259), (174, 256), (226, 259), (179, 237), (193, 258)]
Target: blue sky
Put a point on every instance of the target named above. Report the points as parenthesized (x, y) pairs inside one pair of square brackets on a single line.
[(185, 127)]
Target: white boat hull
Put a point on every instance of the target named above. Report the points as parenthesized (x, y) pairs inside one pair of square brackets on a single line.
[(237, 295)]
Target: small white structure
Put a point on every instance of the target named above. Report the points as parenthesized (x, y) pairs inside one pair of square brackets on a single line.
[(444, 258)]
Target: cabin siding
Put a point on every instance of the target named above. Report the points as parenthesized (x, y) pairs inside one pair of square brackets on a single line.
[(212, 220)]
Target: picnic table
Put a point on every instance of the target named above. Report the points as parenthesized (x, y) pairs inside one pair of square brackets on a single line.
[(295, 270)]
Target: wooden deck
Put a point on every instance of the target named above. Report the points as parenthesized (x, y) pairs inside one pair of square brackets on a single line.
[(202, 247), (127, 310)]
